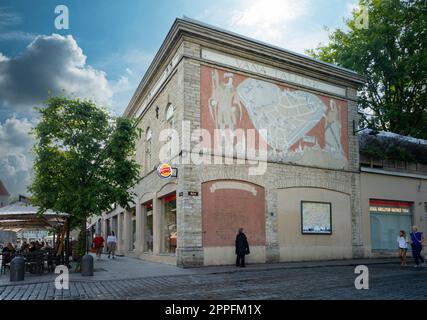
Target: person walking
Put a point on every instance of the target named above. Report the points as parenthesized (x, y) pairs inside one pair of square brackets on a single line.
[(98, 243), (242, 248), (417, 240), (402, 241), (111, 244)]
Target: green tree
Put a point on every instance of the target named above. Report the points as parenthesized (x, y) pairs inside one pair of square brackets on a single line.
[(392, 53), (84, 160)]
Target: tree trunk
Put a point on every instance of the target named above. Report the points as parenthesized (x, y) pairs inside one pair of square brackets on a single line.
[(60, 240), (67, 245), (84, 237)]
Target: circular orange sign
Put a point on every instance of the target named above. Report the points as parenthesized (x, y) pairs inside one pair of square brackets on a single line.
[(164, 171)]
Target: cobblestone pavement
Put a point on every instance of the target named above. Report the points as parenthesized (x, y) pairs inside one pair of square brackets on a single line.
[(387, 281)]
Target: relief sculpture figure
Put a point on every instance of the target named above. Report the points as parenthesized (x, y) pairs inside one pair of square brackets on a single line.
[(224, 104), (333, 130)]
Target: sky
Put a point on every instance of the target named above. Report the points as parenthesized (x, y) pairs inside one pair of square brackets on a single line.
[(108, 46)]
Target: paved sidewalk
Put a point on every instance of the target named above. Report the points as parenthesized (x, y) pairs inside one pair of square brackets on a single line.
[(119, 268), (127, 268), (321, 280), (297, 265)]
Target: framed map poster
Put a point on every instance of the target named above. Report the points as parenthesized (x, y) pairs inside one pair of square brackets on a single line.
[(316, 217)]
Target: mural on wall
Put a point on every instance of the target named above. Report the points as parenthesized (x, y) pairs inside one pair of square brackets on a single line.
[(302, 127), (225, 107)]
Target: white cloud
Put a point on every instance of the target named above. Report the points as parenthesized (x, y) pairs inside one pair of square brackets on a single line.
[(122, 84), (17, 36), (50, 63), (8, 18), (268, 19), (15, 154), (130, 65), (292, 25), (3, 57)]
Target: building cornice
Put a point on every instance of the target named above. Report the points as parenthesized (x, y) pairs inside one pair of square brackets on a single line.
[(231, 39), (393, 173)]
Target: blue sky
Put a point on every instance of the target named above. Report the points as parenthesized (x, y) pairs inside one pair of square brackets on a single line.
[(108, 46)]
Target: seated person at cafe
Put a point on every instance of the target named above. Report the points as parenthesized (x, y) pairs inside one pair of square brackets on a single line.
[(9, 248), (47, 247), (25, 246), (33, 247)]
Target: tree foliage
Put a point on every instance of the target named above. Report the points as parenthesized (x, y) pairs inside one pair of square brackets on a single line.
[(83, 159), (392, 53)]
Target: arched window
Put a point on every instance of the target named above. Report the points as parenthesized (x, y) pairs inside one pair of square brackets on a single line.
[(149, 134), (169, 114), (148, 141), (170, 125)]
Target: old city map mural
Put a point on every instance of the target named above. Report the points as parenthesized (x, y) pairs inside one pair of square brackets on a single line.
[(302, 127)]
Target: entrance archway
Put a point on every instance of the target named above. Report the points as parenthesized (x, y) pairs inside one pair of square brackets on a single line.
[(228, 205)]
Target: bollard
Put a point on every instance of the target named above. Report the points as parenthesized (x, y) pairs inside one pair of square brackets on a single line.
[(17, 269), (87, 265)]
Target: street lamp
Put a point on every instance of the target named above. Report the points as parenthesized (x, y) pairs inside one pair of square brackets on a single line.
[(373, 132)]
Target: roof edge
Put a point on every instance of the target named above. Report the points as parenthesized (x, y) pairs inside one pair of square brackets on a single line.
[(266, 44), (185, 24)]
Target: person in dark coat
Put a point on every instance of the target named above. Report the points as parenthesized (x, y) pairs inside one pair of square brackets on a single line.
[(242, 248)]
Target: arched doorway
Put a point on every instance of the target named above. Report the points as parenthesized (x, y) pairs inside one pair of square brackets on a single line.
[(228, 205)]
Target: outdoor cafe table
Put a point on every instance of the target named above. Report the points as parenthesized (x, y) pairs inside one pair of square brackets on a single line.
[(37, 259)]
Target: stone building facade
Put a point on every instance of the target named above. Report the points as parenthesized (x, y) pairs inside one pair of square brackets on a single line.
[(301, 201), (393, 195)]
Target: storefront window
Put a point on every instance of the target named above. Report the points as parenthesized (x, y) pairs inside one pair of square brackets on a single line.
[(387, 219), (149, 228), (169, 224)]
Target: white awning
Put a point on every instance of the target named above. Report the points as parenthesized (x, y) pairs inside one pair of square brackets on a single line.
[(22, 215)]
